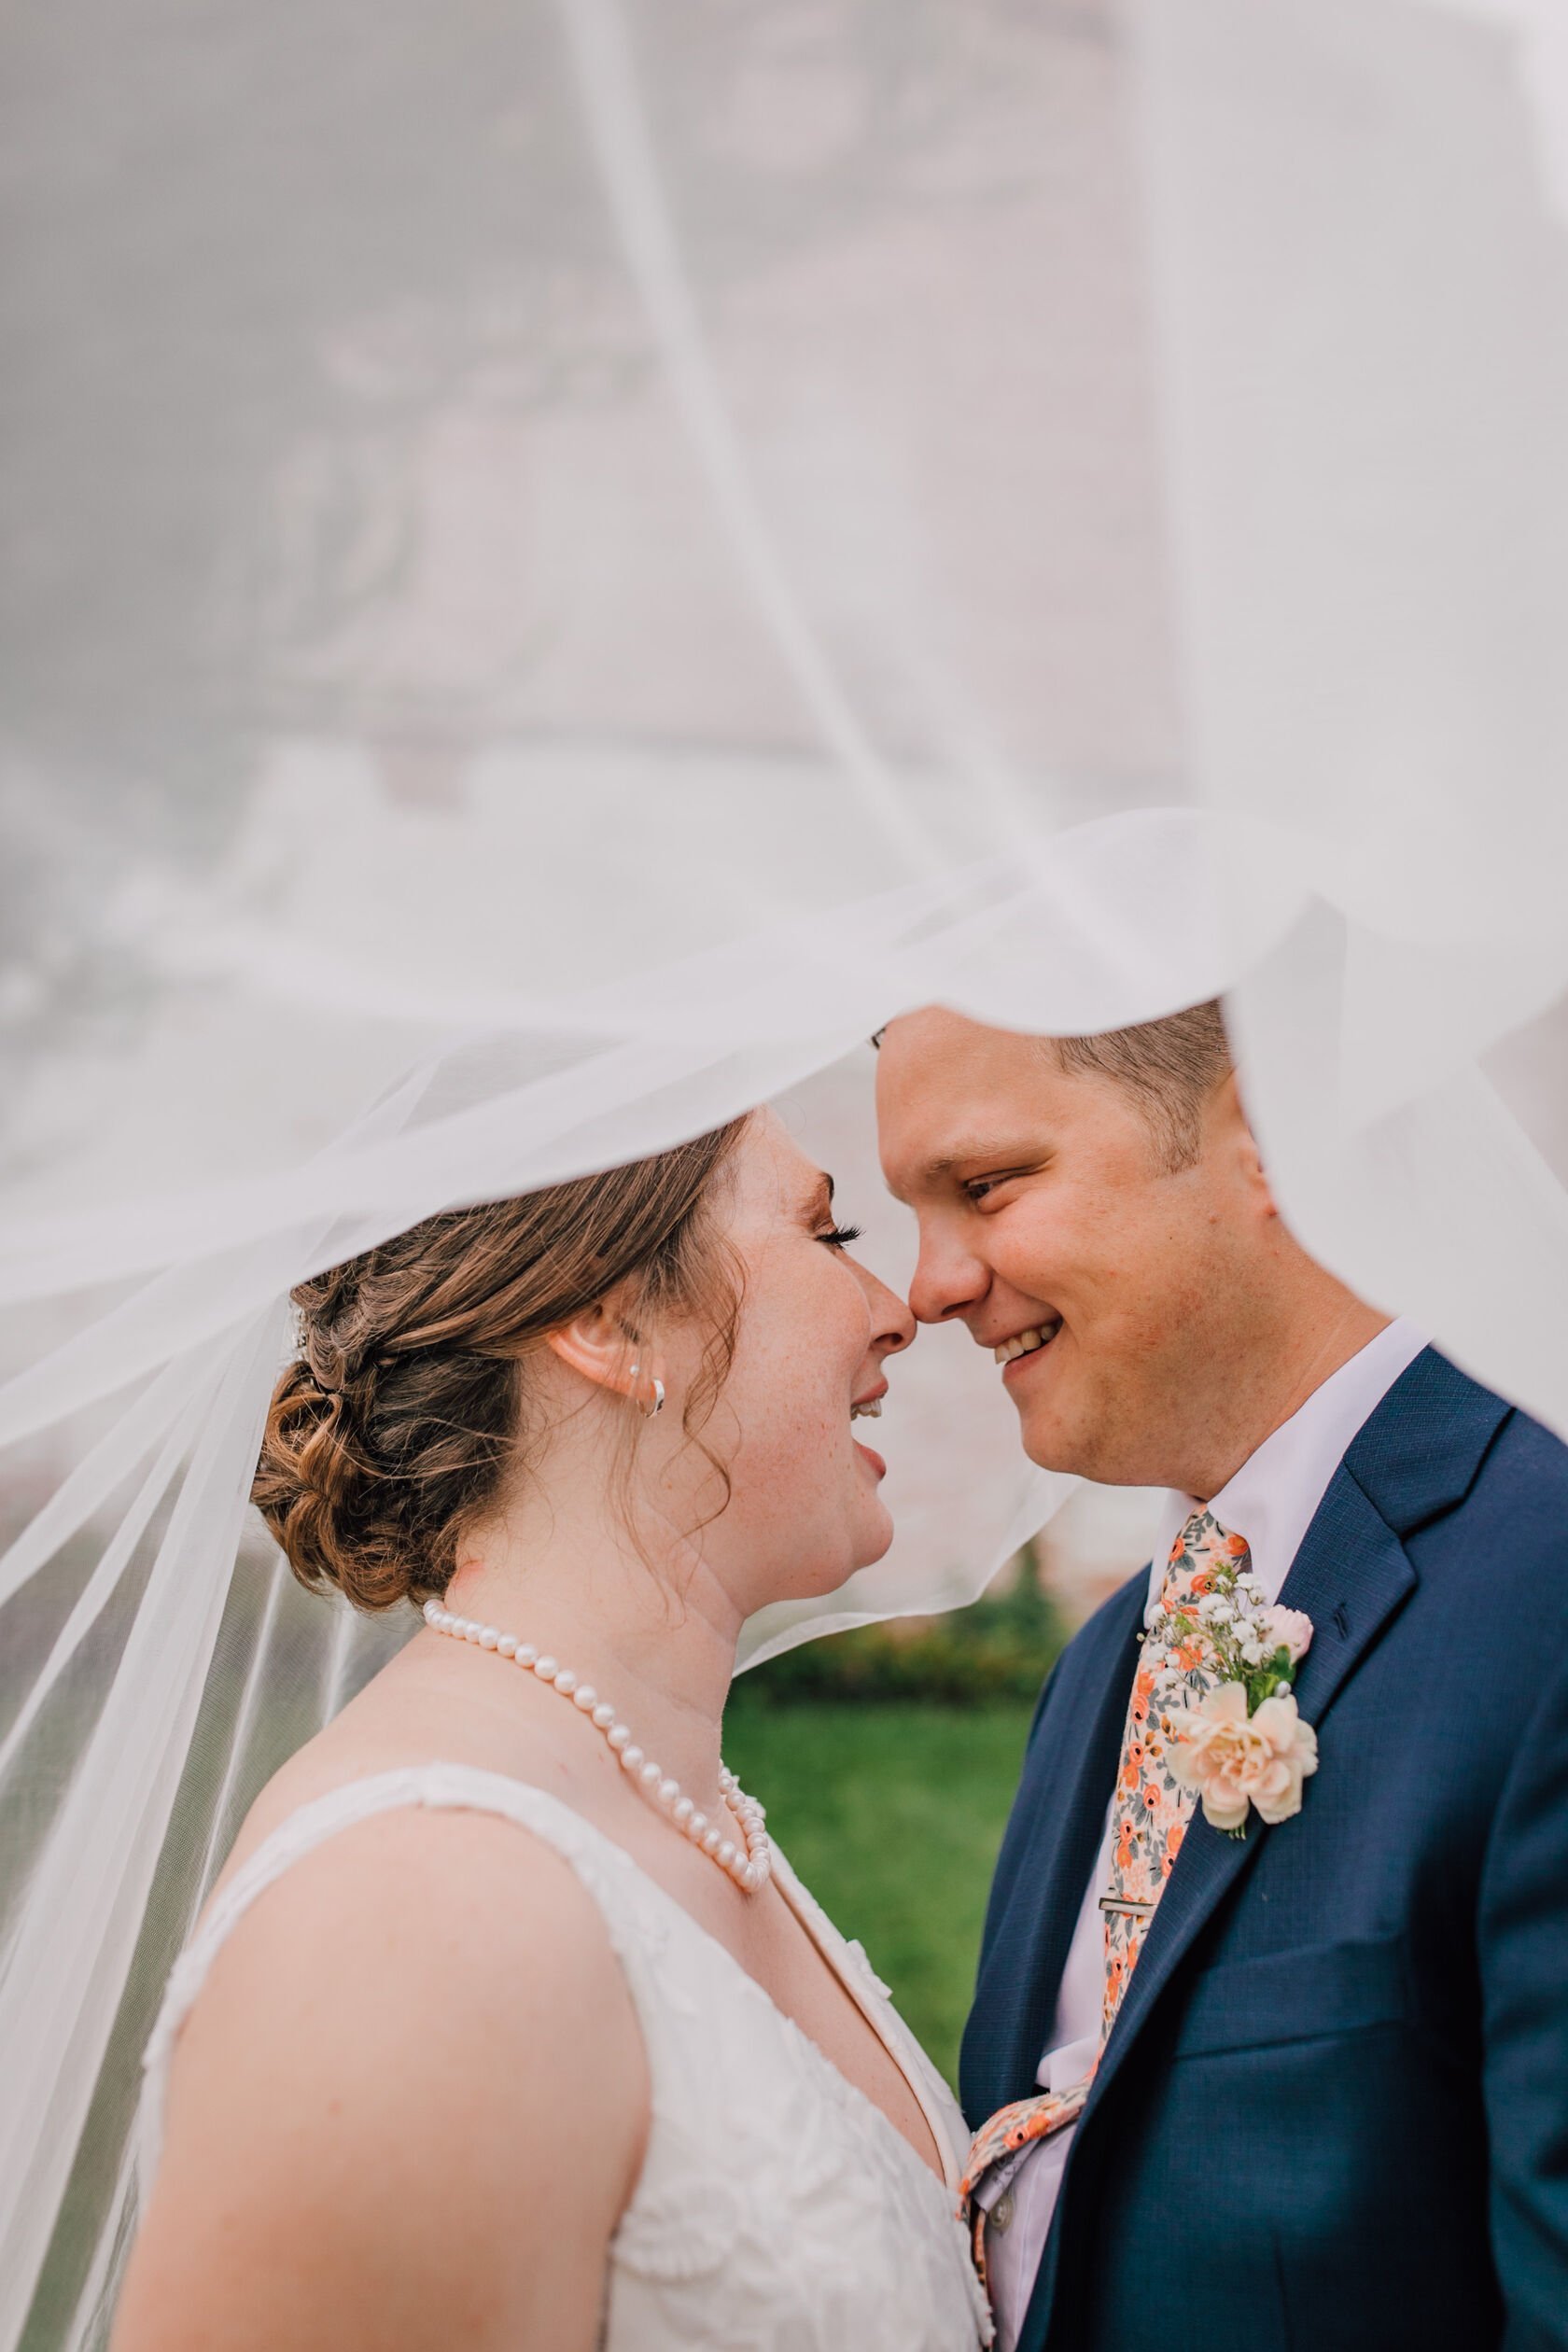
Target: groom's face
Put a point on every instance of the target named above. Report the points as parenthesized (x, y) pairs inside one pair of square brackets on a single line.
[(1047, 1215)]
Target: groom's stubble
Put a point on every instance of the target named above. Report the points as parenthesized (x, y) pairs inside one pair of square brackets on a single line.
[(1186, 1321)]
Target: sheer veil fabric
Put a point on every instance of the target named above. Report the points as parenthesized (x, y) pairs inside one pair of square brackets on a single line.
[(564, 564)]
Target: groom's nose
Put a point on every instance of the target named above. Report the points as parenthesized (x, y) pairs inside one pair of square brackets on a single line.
[(949, 1279)]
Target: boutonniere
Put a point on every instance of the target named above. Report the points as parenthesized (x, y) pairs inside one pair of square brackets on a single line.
[(1243, 1744)]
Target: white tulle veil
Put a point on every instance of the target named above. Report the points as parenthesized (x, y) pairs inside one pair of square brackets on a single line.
[(564, 564)]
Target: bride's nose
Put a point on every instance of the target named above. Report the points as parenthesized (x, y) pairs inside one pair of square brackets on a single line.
[(893, 1326)]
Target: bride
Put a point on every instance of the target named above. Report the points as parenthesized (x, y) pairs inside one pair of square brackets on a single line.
[(506, 2024)]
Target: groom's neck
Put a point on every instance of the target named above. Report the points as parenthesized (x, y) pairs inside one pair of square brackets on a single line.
[(1294, 1353)]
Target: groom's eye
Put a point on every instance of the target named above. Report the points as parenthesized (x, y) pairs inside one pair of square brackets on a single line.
[(976, 1188)]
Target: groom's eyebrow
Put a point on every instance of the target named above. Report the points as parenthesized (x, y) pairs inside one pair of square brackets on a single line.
[(969, 1150), (995, 1150)]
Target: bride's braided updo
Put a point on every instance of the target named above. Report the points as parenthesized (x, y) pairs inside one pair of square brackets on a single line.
[(394, 1427)]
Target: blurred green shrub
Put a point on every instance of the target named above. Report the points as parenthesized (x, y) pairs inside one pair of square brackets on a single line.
[(1002, 1646)]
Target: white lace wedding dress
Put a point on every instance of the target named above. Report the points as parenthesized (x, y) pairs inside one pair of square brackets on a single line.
[(777, 2209)]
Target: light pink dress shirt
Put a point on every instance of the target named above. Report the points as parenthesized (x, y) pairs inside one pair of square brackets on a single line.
[(1271, 1501)]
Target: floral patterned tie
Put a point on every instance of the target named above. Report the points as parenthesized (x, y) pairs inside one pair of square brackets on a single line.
[(1149, 1816)]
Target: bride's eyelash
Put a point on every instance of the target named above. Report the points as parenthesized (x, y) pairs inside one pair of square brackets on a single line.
[(840, 1237)]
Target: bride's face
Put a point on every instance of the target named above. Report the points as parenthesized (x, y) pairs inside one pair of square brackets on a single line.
[(815, 1331)]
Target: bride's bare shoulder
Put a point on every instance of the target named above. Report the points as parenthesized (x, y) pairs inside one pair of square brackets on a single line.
[(419, 2016)]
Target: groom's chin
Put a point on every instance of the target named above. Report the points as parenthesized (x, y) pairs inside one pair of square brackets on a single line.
[(1080, 1453), (1053, 1443), (1048, 1455)]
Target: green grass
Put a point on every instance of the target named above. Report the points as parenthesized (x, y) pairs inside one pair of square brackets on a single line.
[(891, 1811)]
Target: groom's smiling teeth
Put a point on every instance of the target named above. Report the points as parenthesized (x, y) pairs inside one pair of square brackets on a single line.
[(872, 1409), (1026, 1342)]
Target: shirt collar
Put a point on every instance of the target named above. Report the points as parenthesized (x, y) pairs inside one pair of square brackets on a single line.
[(1273, 1498)]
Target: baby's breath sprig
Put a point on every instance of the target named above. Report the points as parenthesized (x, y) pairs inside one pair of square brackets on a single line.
[(1225, 1626)]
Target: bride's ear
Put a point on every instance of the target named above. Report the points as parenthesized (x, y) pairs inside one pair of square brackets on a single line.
[(600, 1348), (597, 1347)]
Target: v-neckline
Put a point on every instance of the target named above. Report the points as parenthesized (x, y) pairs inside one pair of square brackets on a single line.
[(801, 1905), (813, 1918)]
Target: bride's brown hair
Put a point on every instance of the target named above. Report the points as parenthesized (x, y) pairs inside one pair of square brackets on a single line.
[(395, 1426)]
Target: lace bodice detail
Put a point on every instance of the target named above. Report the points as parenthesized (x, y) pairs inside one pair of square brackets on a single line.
[(777, 2209)]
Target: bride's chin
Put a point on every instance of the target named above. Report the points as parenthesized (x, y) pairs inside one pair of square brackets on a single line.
[(884, 1540), (877, 1546), (814, 1580)]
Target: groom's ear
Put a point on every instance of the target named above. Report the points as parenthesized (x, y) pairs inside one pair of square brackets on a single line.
[(1232, 1133)]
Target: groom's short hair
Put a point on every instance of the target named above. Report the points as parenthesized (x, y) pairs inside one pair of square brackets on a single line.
[(1170, 1067)]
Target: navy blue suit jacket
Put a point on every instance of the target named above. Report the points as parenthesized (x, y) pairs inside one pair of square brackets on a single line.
[(1333, 2114)]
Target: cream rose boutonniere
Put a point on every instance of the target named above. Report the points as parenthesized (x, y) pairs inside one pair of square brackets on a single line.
[(1241, 1745), (1235, 1760)]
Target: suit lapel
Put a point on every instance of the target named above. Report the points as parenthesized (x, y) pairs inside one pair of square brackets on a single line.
[(1058, 1823)]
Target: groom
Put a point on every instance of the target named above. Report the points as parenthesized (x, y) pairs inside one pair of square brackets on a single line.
[(1303, 2089)]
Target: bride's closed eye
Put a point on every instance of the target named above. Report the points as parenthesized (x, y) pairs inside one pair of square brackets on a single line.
[(840, 1237)]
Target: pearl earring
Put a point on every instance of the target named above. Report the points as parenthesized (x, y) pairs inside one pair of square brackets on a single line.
[(648, 1411)]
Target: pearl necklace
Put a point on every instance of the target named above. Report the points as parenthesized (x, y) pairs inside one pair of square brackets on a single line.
[(751, 1866)]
